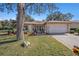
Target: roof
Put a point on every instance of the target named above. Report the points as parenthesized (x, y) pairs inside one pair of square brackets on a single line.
[(35, 22), (64, 22), (74, 21), (49, 22)]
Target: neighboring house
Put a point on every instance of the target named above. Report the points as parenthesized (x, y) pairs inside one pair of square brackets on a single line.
[(50, 27), (74, 24)]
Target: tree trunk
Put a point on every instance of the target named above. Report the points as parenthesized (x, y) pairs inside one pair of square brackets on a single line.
[(20, 21), (20, 24)]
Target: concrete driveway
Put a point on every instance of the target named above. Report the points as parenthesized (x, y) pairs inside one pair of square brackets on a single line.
[(68, 40)]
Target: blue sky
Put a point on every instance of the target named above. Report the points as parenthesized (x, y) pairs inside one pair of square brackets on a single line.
[(72, 8)]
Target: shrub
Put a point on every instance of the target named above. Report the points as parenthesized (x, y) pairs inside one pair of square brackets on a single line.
[(77, 30), (72, 30)]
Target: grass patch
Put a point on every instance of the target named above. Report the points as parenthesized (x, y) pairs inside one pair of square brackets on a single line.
[(40, 46)]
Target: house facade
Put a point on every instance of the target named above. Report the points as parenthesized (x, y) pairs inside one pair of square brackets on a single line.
[(50, 27)]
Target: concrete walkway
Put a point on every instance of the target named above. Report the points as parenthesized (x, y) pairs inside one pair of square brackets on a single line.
[(68, 40)]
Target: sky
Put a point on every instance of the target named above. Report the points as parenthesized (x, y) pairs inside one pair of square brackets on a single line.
[(72, 8)]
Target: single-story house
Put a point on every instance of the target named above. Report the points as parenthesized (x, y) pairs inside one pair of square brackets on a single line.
[(50, 27)]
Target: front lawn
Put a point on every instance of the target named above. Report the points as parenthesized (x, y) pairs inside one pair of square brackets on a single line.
[(40, 46)]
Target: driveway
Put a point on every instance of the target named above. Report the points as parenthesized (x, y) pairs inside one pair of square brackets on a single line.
[(68, 40)]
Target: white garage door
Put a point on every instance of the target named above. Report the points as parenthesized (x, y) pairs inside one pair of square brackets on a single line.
[(57, 28)]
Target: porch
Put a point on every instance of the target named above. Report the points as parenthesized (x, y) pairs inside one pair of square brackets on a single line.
[(35, 27), (38, 29)]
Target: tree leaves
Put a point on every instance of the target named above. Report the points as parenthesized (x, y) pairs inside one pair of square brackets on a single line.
[(58, 16)]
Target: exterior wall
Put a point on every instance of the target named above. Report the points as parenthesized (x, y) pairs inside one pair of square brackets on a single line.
[(30, 28), (66, 25)]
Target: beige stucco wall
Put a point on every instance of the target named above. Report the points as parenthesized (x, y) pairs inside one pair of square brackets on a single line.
[(30, 28), (67, 25)]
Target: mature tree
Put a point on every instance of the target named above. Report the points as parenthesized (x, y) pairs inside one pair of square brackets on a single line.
[(4, 24), (68, 16), (0, 25), (28, 18), (58, 16), (23, 9), (12, 25)]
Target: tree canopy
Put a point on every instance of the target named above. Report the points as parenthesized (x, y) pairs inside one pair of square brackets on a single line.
[(30, 8), (58, 16), (8, 24), (28, 18)]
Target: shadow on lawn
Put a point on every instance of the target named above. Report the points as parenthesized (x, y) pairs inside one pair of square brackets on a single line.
[(3, 34), (9, 41)]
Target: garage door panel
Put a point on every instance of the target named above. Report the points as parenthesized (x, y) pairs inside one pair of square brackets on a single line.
[(57, 28)]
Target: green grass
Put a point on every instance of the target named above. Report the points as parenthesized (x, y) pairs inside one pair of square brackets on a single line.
[(40, 46), (3, 32)]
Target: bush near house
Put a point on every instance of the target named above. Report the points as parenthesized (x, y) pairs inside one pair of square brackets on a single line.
[(77, 30), (72, 30), (8, 30)]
